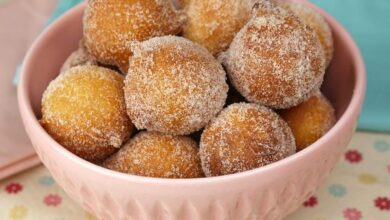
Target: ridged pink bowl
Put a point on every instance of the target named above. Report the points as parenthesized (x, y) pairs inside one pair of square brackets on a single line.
[(268, 193)]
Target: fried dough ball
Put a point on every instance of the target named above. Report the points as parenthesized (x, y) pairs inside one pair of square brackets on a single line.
[(111, 25), (84, 110), (275, 59), (173, 86), (78, 58), (213, 24), (158, 155), (315, 21), (244, 136), (310, 120)]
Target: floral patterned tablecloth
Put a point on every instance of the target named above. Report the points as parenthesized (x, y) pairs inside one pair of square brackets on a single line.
[(357, 189)]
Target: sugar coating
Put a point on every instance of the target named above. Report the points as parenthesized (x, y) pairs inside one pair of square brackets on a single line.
[(158, 155), (78, 57), (244, 136), (173, 86), (315, 21), (275, 60), (310, 120), (213, 24), (83, 109), (111, 25)]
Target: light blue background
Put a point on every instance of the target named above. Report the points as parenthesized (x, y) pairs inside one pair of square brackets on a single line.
[(369, 23)]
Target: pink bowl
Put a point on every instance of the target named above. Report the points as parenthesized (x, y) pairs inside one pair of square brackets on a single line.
[(270, 192)]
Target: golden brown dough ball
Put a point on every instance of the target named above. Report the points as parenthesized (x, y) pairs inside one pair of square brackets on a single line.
[(310, 120), (157, 155), (173, 86), (213, 24), (111, 25), (78, 58), (275, 59), (84, 110), (244, 136), (315, 21)]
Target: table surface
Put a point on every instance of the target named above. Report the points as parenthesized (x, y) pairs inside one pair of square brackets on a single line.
[(357, 189)]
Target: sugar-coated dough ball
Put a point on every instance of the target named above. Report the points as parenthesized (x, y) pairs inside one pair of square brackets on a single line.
[(84, 110), (310, 120), (213, 24), (78, 58), (315, 21), (173, 86), (244, 136), (275, 59), (158, 155), (111, 25)]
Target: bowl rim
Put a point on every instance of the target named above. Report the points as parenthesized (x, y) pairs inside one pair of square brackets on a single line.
[(29, 117)]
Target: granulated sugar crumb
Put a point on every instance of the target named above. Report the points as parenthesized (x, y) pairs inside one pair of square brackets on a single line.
[(110, 25), (213, 24), (173, 86), (84, 110), (315, 21), (275, 60), (158, 155), (244, 136)]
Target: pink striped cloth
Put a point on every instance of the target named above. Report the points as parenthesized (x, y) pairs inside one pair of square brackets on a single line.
[(20, 23)]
